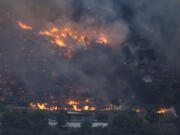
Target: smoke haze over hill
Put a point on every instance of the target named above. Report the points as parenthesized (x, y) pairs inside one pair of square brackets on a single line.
[(138, 34)]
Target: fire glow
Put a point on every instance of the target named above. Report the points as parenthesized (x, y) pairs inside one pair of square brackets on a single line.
[(75, 104), (59, 36), (23, 26), (70, 38), (55, 36), (71, 105), (42, 106), (109, 108), (162, 111)]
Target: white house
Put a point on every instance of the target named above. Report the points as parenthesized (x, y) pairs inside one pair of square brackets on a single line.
[(77, 124), (100, 124), (73, 124), (52, 122), (75, 120)]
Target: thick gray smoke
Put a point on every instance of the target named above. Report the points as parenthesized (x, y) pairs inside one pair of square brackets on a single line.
[(101, 72), (158, 21)]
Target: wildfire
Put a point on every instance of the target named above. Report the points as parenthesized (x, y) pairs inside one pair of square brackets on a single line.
[(87, 108), (75, 104), (59, 36), (71, 102), (71, 105), (43, 106), (75, 108), (69, 38), (23, 26), (108, 108), (138, 110), (55, 35), (162, 111), (102, 40)]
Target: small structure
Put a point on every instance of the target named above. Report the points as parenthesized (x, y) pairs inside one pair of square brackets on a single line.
[(99, 124), (147, 79), (78, 124), (77, 118), (73, 124), (52, 122)]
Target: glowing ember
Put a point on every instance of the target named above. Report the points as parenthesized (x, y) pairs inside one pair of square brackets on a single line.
[(23, 26), (102, 40), (138, 110), (75, 108), (162, 111), (87, 100), (87, 108), (109, 108), (1, 99), (71, 102), (92, 108), (84, 108)]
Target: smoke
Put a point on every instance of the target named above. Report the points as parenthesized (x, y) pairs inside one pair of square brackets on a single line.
[(40, 66), (158, 21), (101, 72)]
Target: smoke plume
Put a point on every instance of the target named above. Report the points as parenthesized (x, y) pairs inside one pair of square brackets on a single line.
[(102, 72)]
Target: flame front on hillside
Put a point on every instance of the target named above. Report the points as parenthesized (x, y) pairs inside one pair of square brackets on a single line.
[(42, 106), (70, 38), (23, 26), (59, 36), (71, 105)]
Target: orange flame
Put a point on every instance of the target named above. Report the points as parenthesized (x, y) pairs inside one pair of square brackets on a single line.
[(71, 105), (92, 108), (61, 36), (88, 108), (84, 108), (162, 111), (71, 102), (58, 36), (102, 40), (76, 108), (43, 106), (23, 26), (55, 37)]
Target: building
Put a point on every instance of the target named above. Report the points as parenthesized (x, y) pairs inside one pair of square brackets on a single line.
[(78, 124), (52, 122), (75, 120)]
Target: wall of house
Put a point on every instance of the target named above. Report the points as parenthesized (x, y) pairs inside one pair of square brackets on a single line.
[(52, 123), (99, 124), (78, 124), (73, 124)]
